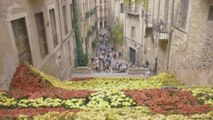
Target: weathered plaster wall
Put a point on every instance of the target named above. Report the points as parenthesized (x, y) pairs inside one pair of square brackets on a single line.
[(150, 51), (192, 49), (135, 42), (59, 60)]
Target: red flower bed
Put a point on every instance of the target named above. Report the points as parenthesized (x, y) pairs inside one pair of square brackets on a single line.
[(81, 79), (168, 101), (51, 93), (32, 111), (25, 83)]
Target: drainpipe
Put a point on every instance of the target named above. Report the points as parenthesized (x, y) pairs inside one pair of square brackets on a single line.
[(153, 10), (125, 43), (158, 10), (142, 38), (170, 36), (157, 39), (60, 20)]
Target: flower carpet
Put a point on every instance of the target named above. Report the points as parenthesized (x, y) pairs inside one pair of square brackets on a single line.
[(35, 95)]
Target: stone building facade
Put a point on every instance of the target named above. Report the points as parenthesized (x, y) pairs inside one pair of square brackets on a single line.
[(37, 31), (134, 31), (102, 13), (89, 23), (115, 12), (191, 53), (111, 13), (184, 45)]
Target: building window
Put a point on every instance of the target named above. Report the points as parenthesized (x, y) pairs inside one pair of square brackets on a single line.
[(122, 8), (182, 14), (133, 32), (210, 16), (65, 20), (39, 18), (54, 28), (22, 40)]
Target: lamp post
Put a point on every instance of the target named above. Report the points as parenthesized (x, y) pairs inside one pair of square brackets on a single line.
[(160, 27)]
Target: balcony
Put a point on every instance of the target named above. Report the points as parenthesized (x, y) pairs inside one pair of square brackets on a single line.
[(164, 36), (132, 10), (162, 30)]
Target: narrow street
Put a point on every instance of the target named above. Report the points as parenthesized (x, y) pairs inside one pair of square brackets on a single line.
[(106, 59)]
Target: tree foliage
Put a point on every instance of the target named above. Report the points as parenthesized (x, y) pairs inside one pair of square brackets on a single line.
[(129, 2), (118, 33), (82, 58), (137, 2), (95, 43)]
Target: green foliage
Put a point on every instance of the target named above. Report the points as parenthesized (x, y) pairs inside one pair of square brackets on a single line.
[(126, 113), (40, 102), (109, 99), (135, 113), (22, 117), (95, 43), (55, 116), (129, 2), (163, 79), (204, 94), (145, 2), (6, 102), (118, 33), (82, 58)]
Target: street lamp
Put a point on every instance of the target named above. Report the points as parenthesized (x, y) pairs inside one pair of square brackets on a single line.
[(161, 26)]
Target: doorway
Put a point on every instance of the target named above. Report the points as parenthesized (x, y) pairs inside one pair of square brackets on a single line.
[(132, 55)]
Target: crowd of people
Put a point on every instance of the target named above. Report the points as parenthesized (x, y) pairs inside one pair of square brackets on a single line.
[(106, 58)]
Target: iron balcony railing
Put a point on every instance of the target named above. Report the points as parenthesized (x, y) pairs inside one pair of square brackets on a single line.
[(132, 10)]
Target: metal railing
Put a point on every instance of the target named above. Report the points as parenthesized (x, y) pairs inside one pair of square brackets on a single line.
[(132, 10)]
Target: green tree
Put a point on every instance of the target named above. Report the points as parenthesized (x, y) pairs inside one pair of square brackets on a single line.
[(95, 43), (118, 33), (130, 2)]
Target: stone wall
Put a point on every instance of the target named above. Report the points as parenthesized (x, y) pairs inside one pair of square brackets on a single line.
[(86, 23), (192, 48), (59, 60), (136, 42), (149, 51)]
